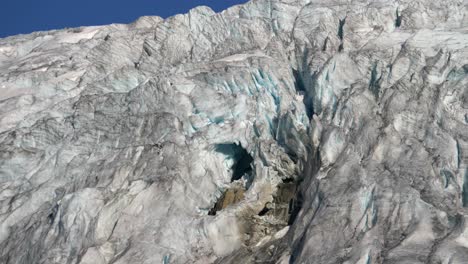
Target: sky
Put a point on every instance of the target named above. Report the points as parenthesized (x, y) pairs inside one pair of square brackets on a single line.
[(26, 16)]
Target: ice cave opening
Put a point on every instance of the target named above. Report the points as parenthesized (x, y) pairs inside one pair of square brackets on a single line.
[(242, 161), (241, 169)]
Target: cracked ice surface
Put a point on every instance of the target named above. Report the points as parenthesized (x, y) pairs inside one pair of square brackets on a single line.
[(354, 115)]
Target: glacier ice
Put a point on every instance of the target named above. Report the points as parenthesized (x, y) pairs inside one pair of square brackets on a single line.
[(277, 131)]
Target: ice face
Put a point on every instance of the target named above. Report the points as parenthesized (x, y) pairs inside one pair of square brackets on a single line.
[(275, 131)]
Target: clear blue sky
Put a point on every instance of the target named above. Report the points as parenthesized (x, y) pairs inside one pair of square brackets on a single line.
[(25, 16)]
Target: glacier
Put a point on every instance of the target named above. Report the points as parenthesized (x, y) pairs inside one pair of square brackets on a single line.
[(277, 131)]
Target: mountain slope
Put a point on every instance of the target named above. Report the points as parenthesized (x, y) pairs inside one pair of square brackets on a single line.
[(279, 131)]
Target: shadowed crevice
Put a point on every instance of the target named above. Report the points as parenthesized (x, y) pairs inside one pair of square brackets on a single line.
[(398, 19), (242, 160)]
